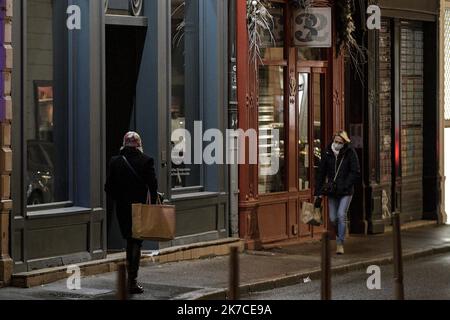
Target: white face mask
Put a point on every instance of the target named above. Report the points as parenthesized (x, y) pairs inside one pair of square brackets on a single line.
[(337, 146)]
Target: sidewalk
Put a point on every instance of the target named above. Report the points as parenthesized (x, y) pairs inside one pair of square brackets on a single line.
[(260, 271)]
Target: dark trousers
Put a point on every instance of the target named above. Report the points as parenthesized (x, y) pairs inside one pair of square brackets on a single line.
[(134, 248)]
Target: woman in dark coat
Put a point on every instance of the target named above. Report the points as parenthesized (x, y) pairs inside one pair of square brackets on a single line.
[(131, 176), (339, 171)]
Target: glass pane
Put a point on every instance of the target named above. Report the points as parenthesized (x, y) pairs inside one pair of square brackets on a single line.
[(46, 108), (318, 87), (271, 130), (185, 89), (273, 46), (273, 54), (312, 54), (303, 125)]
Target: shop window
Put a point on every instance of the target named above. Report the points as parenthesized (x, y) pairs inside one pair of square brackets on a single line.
[(185, 108), (45, 104), (271, 118)]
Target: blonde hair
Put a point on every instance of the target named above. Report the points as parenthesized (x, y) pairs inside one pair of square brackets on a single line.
[(343, 134)]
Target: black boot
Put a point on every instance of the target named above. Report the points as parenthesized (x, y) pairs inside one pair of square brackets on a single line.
[(134, 260)]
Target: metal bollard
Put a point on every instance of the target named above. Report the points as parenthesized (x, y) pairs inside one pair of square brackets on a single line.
[(122, 292), (326, 267), (233, 291), (398, 258)]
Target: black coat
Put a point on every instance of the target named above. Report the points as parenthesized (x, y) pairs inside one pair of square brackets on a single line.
[(349, 173), (125, 188)]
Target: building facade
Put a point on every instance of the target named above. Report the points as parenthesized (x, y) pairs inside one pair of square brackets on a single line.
[(395, 112), (148, 66), (6, 64), (295, 87)]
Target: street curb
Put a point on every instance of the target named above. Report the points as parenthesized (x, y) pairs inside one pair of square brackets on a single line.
[(191, 252), (313, 274)]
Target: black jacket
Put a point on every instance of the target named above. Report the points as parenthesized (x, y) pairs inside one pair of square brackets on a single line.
[(125, 188), (349, 173)]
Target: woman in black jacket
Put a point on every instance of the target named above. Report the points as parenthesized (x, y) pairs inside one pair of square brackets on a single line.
[(130, 179), (339, 171)]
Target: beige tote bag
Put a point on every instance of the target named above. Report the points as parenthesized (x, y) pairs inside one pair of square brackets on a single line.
[(311, 215), (154, 222)]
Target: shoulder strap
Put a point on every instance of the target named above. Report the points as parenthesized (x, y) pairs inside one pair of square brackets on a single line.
[(339, 169), (128, 164), (133, 171)]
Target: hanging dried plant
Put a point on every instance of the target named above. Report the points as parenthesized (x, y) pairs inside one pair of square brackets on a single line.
[(346, 41), (179, 32), (259, 23)]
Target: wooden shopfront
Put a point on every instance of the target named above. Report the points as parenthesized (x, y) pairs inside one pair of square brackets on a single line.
[(299, 91), (395, 112)]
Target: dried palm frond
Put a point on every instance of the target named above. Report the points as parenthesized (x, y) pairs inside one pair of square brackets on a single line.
[(260, 21), (346, 41), (179, 34)]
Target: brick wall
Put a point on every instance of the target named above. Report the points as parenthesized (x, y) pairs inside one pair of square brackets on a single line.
[(6, 64)]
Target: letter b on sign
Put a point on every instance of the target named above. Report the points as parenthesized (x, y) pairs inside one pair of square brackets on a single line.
[(374, 281)]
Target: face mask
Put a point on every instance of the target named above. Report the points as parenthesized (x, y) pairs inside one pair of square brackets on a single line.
[(337, 146)]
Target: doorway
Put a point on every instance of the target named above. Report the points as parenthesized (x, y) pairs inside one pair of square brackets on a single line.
[(313, 113), (124, 46)]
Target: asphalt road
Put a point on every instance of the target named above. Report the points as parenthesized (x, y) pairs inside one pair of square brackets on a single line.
[(425, 279)]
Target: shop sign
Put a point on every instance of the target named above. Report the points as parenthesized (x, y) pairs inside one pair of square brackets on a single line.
[(313, 28)]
